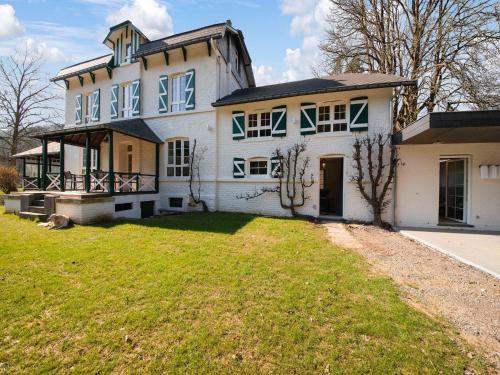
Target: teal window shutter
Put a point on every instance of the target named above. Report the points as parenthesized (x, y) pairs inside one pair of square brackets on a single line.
[(136, 97), (238, 168), (163, 94), (96, 103), (275, 167), (78, 108), (114, 101), (358, 110), (190, 89), (307, 118), (238, 125), (278, 126)]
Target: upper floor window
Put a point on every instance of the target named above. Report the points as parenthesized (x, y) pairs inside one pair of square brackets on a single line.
[(259, 125), (127, 101), (178, 158), (179, 93), (237, 61), (332, 118), (258, 167), (88, 108), (128, 51)]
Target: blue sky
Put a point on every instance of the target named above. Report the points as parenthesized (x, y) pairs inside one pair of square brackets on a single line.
[(281, 35)]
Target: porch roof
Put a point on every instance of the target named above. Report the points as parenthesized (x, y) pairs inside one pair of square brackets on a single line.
[(452, 127), (136, 128), (52, 149)]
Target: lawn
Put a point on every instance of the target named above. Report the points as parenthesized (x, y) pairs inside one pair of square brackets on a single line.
[(205, 293)]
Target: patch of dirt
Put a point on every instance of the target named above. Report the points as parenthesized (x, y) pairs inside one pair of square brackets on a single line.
[(438, 285)]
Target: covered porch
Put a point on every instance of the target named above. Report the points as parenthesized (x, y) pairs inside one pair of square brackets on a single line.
[(120, 157)]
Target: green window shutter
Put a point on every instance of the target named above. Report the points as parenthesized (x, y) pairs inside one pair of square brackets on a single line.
[(136, 97), (78, 109), (238, 125), (278, 118), (190, 89), (358, 110), (275, 167), (96, 105), (307, 118), (238, 168), (163, 94), (114, 101)]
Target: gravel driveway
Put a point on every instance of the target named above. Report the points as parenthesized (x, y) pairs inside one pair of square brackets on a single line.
[(434, 283)]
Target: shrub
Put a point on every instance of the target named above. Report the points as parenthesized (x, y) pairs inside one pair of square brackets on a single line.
[(8, 179)]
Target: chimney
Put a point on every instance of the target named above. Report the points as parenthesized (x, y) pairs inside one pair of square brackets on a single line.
[(229, 23)]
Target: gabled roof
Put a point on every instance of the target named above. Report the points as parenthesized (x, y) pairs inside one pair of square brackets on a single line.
[(334, 83), (123, 24), (84, 67)]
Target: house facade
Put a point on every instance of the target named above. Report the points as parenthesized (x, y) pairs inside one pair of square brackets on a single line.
[(137, 112)]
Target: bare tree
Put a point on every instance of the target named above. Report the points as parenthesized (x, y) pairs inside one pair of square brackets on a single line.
[(374, 178), (291, 169), (430, 41), (26, 99), (195, 158)]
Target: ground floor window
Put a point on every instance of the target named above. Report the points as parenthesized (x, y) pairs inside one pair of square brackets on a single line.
[(178, 158), (258, 167), (93, 160), (175, 202)]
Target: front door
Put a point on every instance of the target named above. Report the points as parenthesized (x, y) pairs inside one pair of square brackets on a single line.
[(331, 186), (452, 189)]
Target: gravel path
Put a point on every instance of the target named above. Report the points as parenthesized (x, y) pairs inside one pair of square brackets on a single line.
[(436, 284)]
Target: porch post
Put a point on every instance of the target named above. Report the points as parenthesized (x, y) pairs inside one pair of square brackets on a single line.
[(61, 164), (157, 165), (24, 167), (87, 161), (38, 182), (44, 164), (98, 162), (111, 172)]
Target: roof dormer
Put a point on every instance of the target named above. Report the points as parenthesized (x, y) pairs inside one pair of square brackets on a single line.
[(124, 39)]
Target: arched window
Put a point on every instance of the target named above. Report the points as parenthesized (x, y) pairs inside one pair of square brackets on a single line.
[(178, 157)]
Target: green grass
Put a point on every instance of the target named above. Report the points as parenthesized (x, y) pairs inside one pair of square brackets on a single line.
[(205, 293)]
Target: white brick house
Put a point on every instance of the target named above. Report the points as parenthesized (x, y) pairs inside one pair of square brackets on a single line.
[(138, 110)]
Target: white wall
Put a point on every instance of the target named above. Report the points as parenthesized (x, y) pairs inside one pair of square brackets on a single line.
[(417, 189), (318, 146)]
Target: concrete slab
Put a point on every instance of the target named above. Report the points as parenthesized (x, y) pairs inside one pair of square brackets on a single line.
[(477, 249)]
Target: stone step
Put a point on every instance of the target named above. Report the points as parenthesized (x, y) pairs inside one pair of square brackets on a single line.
[(38, 203), (32, 216), (36, 209)]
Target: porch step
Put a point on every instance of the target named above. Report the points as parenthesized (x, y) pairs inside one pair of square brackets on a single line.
[(32, 216), (37, 209), (38, 203)]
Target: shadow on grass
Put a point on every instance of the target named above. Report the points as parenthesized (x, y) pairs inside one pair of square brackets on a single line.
[(217, 222)]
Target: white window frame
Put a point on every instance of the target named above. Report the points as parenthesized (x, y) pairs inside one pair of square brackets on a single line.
[(127, 105), (172, 159), (178, 103), (88, 108), (128, 52), (258, 159), (332, 121), (259, 126), (93, 160)]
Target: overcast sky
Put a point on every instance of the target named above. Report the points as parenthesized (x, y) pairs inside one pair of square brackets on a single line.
[(281, 35)]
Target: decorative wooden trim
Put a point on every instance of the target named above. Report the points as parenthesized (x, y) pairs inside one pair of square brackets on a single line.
[(92, 77), (184, 53), (110, 72), (166, 55), (80, 78), (145, 62), (66, 82), (209, 48)]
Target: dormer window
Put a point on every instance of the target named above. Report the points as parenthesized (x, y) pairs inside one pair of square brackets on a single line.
[(128, 57)]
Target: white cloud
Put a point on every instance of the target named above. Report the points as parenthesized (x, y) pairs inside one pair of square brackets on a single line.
[(46, 52), (309, 22), (150, 16), (264, 75), (10, 24)]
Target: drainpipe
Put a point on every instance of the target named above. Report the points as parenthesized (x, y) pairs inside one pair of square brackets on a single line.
[(394, 193)]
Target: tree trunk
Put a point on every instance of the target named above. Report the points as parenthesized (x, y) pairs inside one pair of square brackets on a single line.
[(377, 216)]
